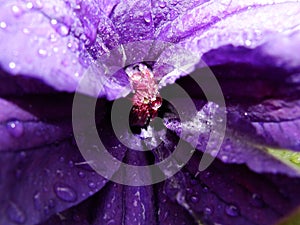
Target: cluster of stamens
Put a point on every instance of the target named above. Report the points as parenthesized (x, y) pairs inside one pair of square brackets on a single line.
[(146, 99)]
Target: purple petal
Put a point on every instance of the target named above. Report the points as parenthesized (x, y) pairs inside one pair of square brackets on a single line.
[(235, 195), (120, 204), (46, 173), (215, 24), (171, 212), (165, 11), (54, 41), (240, 146), (37, 46), (133, 20)]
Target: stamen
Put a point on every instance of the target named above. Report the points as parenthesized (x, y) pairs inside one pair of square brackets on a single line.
[(146, 99)]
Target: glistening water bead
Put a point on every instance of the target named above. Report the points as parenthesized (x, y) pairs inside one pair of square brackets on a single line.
[(146, 99)]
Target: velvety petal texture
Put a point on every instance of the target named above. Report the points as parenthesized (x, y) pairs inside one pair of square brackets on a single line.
[(50, 49), (46, 173), (64, 34)]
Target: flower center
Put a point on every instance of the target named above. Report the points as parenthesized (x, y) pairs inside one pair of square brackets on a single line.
[(146, 99)]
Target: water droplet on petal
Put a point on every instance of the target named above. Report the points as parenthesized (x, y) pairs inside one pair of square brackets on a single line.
[(162, 4), (248, 42), (205, 189), (92, 185), (16, 10), (53, 21), (232, 210), (3, 25), (29, 5), (224, 158), (65, 193), (59, 173), (42, 52), (71, 163), (15, 128), (208, 174), (207, 211), (62, 29), (147, 17), (26, 30), (15, 213), (12, 65), (174, 2), (257, 200), (194, 199), (37, 200), (81, 174), (22, 155)]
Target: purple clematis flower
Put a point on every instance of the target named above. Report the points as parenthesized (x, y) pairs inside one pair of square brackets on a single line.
[(47, 47)]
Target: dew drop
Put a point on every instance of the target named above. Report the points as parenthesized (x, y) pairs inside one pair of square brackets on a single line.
[(65, 193), (248, 42), (59, 173), (162, 4), (207, 211), (16, 10), (15, 213), (42, 52), (81, 174), (38, 4), (71, 163), (92, 185), (205, 189), (224, 158), (62, 29), (3, 25), (232, 210), (12, 65), (22, 155), (208, 174), (174, 2), (53, 21), (61, 159), (194, 199), (257, 200), (37, 200), (147, 17), (26, 31), (15, 128), (29, 5)]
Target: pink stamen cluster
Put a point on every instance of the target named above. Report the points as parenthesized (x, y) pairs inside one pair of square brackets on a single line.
[(146, 100)]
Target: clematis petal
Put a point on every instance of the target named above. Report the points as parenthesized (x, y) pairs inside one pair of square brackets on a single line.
[(215, 24), (268, 101), (38, 46), (166, 11), (127, 16), (241, 144), (46, 173), (52, 40), (121, 204), (171, 212), (235, 195)]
